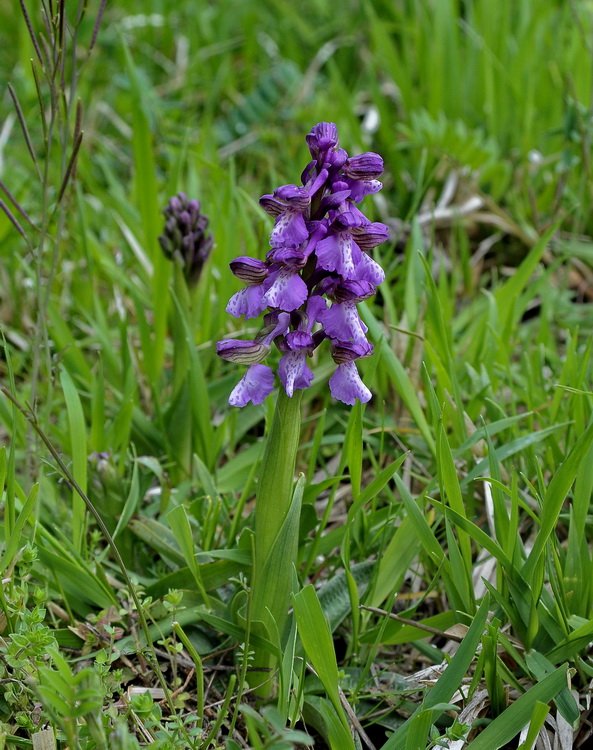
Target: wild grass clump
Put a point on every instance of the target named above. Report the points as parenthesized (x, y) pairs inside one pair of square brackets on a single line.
[(437, 559)]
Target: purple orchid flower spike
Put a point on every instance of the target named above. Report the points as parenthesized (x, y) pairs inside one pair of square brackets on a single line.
[(320, 251)]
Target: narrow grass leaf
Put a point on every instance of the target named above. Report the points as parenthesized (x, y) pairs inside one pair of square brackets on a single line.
[(538, 717), (131, 504), (398, 375), (395, 562), (15, 539), (78, 450), (508, 725), (555, 497), (450, 488), (507, 294), (322, 715), (451, 678), (375, 486)]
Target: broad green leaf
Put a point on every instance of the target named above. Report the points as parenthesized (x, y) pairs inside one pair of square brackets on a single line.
[(78, 450), (180, 526), (319, 648)]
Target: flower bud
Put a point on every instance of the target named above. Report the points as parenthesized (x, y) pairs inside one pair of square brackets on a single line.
[(250, 270), (366, 166), (348, 351), (184, 236), (242, 352)]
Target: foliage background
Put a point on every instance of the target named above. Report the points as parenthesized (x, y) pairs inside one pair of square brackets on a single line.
[(482, 112)]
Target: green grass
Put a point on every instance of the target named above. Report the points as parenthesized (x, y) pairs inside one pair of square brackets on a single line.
[(458, 499)]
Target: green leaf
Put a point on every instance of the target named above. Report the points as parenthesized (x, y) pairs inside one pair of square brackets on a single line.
[(555, 498), (508, 725), (131, 503), (450, 680), (319, 648), (78, 450), (375, 486), (15, 539), (397, 373), (180, 526)]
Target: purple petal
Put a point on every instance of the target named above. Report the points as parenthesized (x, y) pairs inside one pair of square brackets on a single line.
[(343, 322), (369, 270), (292, 256), (249, 302), (294, 372), (315, 306), (334, 200), (315, 183), (322, 137), (335, 159), (296, 198), (360, 188), (289, 229), (349, 220), (297, 341), (287, 292), (339, 253), (345, 385), (277, 328), (255, 385)]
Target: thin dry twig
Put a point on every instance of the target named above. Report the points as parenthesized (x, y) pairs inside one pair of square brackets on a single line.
[(419, 625)]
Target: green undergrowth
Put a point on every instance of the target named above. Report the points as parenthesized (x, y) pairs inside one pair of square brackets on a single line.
[(457, 500)]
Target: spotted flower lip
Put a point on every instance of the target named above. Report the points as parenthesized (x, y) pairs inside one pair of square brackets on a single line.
[(256, 385), (318, 268)]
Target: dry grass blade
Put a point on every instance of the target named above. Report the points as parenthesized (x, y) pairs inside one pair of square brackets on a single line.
[(13, 219), (17, 205), (97, 25), (31, 32), (70, 167), (19, 113)]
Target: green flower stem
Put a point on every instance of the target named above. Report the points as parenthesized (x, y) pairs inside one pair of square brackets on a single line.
[(276, 479), (276, 529)]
